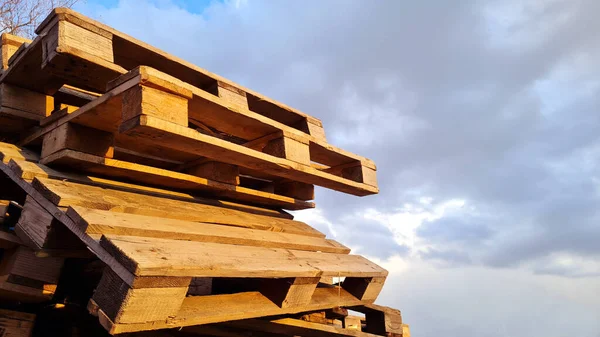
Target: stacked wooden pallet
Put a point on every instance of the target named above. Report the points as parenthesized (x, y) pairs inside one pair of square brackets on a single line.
[(152, 193)]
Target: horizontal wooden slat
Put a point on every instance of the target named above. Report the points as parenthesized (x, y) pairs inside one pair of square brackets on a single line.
[(169, 179), (30, 170), (162, 257), (219, 308), (64, 194), (108, 223)]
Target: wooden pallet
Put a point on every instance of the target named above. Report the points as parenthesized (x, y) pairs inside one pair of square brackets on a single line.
[(84, 44), (74, 49), (216, 107), (130, 110), (26, 162), (154, 251)]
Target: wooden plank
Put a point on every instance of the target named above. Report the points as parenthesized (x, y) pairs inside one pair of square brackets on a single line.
[(29, 170), (219, 308), (188, 140), (64, 194), (105, 222), (296, 327), (165, 178), (162, 257)]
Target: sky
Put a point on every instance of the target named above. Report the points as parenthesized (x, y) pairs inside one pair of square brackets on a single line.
[(482, 117)]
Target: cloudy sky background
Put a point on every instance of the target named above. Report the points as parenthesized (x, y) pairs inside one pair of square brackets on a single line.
[(482, 117)]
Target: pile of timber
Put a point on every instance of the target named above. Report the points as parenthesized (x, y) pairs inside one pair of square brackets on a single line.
[(143, 195)]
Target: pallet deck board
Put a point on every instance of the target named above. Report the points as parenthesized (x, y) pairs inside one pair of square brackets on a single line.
[(219, 308), (163, 257), (30, 170), (65, 194), (169, 179), (175, 181)]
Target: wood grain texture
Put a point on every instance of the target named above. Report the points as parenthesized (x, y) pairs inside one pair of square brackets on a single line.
[(107, 223), (189, 140), (30, 170), (162, 257), (219, 308), (21, 261), (64, 194)]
